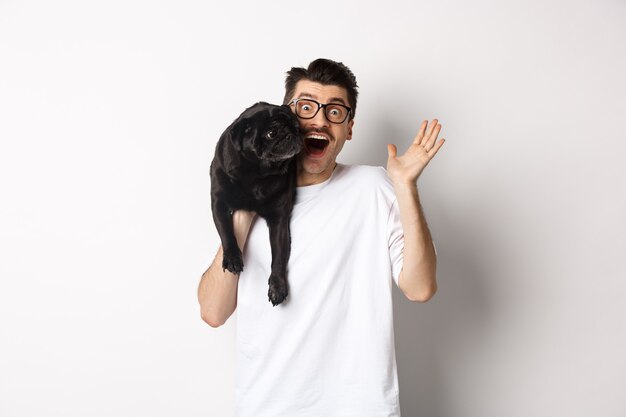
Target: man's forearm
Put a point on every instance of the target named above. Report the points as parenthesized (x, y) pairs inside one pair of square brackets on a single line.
[(418, 276), (217, 291)]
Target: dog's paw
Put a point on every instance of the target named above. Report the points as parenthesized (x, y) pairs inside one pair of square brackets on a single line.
[(278, 290), (233, 261)]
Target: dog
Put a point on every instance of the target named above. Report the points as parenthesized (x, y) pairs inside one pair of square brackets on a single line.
[(254, 168)]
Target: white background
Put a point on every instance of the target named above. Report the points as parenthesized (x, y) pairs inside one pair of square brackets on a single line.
[(109, 114)]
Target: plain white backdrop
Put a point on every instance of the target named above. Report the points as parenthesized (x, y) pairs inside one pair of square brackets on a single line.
[(109, 114)]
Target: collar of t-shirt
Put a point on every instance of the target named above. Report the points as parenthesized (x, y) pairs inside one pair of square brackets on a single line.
[(310, 191)]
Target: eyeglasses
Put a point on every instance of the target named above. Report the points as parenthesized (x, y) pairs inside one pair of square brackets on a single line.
[(334, 112)]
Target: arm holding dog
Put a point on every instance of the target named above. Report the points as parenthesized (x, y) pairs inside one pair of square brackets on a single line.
[(217, 291)]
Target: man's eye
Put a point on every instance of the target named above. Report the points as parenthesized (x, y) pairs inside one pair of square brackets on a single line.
[(335, 112), (305, 107)]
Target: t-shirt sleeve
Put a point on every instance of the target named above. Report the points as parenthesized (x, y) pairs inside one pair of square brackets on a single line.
[(395, 241)]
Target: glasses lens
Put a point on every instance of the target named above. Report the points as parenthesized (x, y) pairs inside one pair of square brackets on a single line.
[(336, 113), (306, 108)]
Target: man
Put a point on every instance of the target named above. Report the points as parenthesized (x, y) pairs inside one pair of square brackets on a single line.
[(328, 350)]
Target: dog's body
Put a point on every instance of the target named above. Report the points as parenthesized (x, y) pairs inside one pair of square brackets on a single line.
[(254, 168)]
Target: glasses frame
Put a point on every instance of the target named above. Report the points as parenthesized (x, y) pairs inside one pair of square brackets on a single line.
[(320, 106)]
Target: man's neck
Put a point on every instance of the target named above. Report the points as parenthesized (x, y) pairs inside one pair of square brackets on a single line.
[(305, 178)]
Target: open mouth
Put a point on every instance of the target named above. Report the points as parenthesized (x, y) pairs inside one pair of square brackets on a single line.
[(315, 145)]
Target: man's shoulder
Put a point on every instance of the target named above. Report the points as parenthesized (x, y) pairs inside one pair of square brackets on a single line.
[(364, 173), (365, 180)]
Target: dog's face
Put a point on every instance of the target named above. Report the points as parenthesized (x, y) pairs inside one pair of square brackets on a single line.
[(267, 133)]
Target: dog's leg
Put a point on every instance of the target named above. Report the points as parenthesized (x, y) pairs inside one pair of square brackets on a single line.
[(233, 260), (280, 242)]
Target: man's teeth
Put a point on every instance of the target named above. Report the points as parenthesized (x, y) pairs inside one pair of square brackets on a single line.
[(317, 137)]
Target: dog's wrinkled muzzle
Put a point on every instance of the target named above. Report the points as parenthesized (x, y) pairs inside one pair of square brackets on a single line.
[(286, 148)]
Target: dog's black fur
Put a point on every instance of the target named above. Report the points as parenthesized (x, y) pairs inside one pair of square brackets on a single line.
[(254, 168)]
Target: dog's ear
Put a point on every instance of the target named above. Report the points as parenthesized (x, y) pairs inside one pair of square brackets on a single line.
[(233, 140), (239, 131), (230, 148)]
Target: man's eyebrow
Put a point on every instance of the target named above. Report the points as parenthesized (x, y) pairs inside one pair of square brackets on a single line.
[(337, 99), (331, 100), (307, 95)]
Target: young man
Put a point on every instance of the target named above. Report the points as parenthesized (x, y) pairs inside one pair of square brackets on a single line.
[(329, 348)]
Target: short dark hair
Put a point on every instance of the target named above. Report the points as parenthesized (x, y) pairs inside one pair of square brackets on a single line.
[(327, 72)]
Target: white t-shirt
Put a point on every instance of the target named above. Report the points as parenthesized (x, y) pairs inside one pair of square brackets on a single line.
[(328, 349)]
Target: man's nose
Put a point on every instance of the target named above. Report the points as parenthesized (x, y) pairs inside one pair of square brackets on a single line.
[(320, 119)]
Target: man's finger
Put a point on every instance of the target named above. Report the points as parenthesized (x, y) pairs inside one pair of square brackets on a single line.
[(432, 127), (430, 141), (392, 151), (434, 150), (420, 134)]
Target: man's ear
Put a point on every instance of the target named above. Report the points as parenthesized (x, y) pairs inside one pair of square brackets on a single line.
[(350, 124)]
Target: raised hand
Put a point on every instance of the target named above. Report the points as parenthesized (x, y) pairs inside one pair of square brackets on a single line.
[(405, 169)]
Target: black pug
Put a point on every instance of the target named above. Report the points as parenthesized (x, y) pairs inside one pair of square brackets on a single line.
[(254, 168)]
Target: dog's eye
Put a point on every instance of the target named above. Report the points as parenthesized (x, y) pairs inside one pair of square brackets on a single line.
[(270, 134)]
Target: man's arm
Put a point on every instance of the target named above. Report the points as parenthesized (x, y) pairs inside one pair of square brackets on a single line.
[(217, 291), (418, 276)]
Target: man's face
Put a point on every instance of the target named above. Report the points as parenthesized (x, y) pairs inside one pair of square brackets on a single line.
[(317, 160)]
